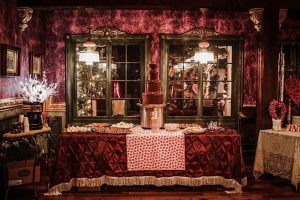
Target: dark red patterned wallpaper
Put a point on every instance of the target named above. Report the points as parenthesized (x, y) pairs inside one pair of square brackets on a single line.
[(63, 22), (29, 40), (47, 30)]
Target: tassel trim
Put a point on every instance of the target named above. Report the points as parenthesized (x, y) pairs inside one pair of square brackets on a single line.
[(147, 180)]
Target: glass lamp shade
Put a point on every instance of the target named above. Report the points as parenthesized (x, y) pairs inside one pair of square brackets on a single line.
[(203, 56), (89, 56)]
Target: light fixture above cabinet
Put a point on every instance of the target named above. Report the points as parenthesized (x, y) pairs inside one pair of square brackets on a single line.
[(89, 55), (203, 55)]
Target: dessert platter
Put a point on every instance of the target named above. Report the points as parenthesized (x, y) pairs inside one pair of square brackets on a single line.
[(123, 125), (114, 130), (119, 128), (171, 127), (214, 127), (73, 129), (194, 129), (186, 125)]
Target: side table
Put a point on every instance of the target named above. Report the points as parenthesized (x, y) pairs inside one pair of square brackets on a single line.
[(278, 153), (29, 138)]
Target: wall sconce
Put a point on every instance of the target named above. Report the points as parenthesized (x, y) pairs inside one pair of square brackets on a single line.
[(256, 16), (24, 16)]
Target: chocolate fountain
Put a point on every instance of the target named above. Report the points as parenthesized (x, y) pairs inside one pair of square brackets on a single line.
[(152, 108)]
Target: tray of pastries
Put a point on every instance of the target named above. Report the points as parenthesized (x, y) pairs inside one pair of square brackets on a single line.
[(186, 125), (114, 130), (194, 129), (214, 127), (97, 126), (123, 125)]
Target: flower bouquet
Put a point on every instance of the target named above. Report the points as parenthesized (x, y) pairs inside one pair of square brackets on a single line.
[(35, 91), (277, 111)]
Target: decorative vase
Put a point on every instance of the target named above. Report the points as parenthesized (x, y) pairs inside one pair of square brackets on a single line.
[(276, 124), (34, 114)]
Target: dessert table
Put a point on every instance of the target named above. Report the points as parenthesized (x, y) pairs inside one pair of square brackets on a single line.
[(90, 159), (278, 153)]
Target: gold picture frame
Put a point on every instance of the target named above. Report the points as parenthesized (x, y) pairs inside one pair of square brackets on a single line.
[(36, 64), (10, 60)]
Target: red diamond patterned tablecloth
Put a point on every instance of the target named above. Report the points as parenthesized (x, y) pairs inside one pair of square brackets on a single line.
[(91, 155)]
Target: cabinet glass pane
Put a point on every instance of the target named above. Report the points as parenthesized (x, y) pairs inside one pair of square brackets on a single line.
[(175, 89), (210, 89), (190, 89), (175, 70), (102, 53), (175, 107), (99, 90), (189, 52), (98, 107), (176, 53), (133, 110), (84, 107), (225, 54), (133, 71), (190, 107), (118, 53), (133, 53), (190, 71), (99, 71), (133, 89), (118, 71), (118, 89)]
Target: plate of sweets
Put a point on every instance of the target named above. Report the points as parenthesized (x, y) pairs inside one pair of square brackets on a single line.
[(214, 127), (97, 127), (113, 130), (186, 125), (123, 125), (78, 129), (116, 130), (194, 129)]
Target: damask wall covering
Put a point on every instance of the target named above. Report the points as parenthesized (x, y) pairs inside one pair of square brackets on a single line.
[(47, 31), (63, 22), (28, 40)]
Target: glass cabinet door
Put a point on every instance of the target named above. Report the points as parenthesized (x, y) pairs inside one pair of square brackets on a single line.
[(186, 87), (111, 87), (197, 91)]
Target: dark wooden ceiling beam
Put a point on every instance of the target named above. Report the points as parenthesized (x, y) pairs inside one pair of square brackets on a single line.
[(158, 4)]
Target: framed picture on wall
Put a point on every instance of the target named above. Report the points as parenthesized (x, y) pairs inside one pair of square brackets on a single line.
[(36, 63), (9, 60)]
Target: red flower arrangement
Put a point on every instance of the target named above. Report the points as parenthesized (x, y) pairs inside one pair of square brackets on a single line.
[(277, 109)]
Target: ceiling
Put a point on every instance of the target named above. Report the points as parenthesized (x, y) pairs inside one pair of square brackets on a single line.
[(159, 4)]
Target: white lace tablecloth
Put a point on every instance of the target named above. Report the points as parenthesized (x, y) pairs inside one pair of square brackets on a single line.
[(278, 153)]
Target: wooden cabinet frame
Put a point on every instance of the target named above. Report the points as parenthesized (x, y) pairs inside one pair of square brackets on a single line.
[(108, 36), (193, 37)]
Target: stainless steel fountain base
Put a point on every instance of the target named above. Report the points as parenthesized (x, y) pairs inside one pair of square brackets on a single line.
[(146, 114)]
